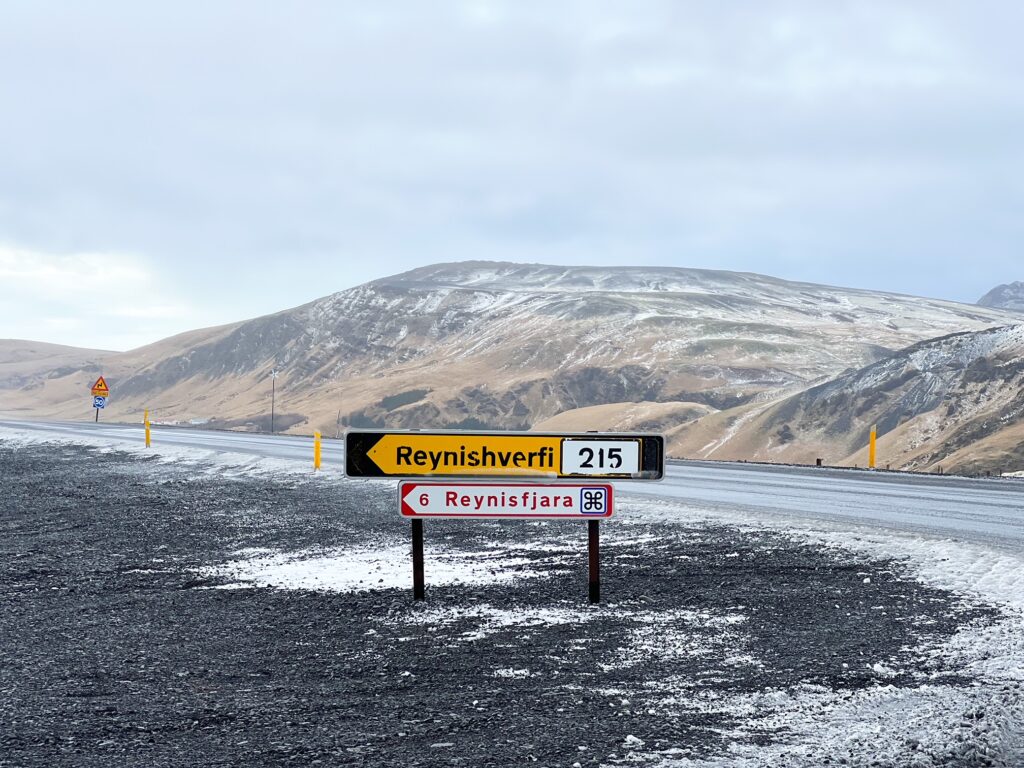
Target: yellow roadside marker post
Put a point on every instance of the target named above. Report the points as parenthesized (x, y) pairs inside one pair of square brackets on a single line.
[(316, 450), (145, 419), (873, 448)]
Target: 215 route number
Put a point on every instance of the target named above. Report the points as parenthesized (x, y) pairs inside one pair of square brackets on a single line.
[(600, 457)]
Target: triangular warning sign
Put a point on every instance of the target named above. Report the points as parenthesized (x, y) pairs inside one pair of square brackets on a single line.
[(100, 388)]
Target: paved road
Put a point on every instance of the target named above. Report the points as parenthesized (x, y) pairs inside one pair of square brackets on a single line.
[(988, 511), (985, 511), (278, 446)]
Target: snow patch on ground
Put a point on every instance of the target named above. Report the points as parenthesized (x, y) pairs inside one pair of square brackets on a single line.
[(387, 567), (214, 463), (490, 619), (932, 725), (682, 633)]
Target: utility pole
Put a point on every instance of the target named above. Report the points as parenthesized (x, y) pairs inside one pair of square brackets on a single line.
[(273, 395)]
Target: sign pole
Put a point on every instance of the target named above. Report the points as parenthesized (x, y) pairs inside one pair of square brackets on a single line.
[(418, 583), (97, 415), (593, 552)]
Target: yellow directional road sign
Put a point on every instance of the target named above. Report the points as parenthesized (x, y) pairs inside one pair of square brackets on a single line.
[(504, 454)]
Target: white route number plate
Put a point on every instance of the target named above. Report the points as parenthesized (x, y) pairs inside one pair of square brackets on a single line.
[(600, 457)]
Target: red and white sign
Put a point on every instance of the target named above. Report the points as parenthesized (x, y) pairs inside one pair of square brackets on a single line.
[(580, 501)]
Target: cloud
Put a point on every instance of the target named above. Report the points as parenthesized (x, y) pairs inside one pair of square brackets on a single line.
[(89, 299), (260, 155)]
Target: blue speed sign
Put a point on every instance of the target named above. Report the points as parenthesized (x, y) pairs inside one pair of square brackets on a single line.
[(99, 402)]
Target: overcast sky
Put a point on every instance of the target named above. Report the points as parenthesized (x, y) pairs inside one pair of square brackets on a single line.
[(169, 166)]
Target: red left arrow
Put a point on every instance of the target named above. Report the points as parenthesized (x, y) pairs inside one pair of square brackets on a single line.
[(407, 511)]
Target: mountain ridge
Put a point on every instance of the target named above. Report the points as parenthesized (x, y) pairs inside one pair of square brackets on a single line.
[(502, 345)]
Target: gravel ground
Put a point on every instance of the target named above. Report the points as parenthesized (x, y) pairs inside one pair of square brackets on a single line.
[(118, 647)]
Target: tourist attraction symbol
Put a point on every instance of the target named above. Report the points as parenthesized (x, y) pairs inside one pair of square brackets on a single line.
[(504, 455), (590, 501)]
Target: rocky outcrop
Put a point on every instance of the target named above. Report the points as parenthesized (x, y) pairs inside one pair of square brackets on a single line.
[(955, 402), (1009, 296)]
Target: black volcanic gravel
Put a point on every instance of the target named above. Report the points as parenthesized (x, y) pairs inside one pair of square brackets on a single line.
[(116, 651)]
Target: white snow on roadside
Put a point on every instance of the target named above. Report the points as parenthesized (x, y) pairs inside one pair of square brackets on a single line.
[(223, 464), (928, 725), (388, 567), (203, 462)]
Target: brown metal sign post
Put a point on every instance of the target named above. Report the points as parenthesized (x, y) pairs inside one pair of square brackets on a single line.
[(593, 557), (418, 581)]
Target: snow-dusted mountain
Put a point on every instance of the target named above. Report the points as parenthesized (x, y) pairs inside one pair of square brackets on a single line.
[(508, 345), (955, 402), (1008, 296)]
